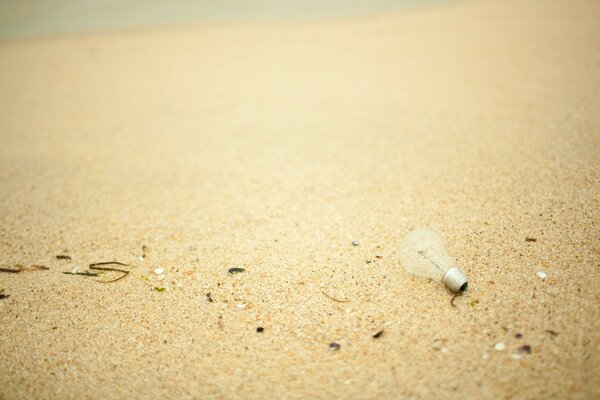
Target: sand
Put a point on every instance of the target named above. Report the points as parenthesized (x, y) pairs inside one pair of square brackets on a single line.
[(271, 147)]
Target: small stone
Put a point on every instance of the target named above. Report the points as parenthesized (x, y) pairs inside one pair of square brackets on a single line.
[(516, 356), (260, 329), (499, 346), (355, 243), (485, 356), (159, 271), (242, 305), (541, 274)]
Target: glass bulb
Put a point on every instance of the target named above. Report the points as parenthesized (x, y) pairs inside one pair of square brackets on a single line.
[(423, 253)]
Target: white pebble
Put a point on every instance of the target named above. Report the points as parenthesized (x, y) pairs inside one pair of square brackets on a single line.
[(499, 346), (541, 274), (159, 271), (242, 305), (516, 356)]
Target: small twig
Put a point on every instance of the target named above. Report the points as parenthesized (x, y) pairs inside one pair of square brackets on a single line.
[(63, 257), (10, 270), (81, 273), (22, 268), (96, 267), (334, 299)]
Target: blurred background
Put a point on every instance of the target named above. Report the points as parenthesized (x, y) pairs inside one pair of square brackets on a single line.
[(30, 18)]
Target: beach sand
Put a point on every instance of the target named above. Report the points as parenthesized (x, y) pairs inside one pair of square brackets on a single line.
[(271, 147)]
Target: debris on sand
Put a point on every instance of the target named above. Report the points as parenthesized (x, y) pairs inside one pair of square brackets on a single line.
[(334, 346), (100, 266), (15, 269), (499, 346), (355, 243), (3, 296), (260, 329), (334, 299), (63, 257), (235, 270), (159, 289), (541, 275), (525, 349), (378, 334), (86, 273)]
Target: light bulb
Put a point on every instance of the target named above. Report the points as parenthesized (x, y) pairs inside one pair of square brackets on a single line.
[(423, 253)]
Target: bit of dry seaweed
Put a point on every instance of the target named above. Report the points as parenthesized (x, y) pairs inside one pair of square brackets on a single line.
[(63, 257), (530, 239), (235, 270), (81, 273), (159, 289), (209, 298), (10, 270), (97, 266), (15, 269), (334, 299)]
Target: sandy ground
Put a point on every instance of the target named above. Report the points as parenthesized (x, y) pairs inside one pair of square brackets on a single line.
[(271, 147)]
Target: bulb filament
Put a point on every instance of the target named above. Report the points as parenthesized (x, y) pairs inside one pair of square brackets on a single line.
[(433, 262)]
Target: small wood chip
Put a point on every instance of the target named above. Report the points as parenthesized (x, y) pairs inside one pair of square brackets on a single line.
[(525, 349), (378, 334), (63, 257), (260, 329), (530, 239)]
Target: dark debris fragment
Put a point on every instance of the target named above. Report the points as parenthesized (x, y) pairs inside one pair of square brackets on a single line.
[(235, 270), (334, 346), (530, 239), (378, 334), (525, 349), (63, 257), (3, 296), (260, 329), (81, 273)]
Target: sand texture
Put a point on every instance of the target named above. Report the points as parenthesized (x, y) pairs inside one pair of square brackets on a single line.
[(271, 147)]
